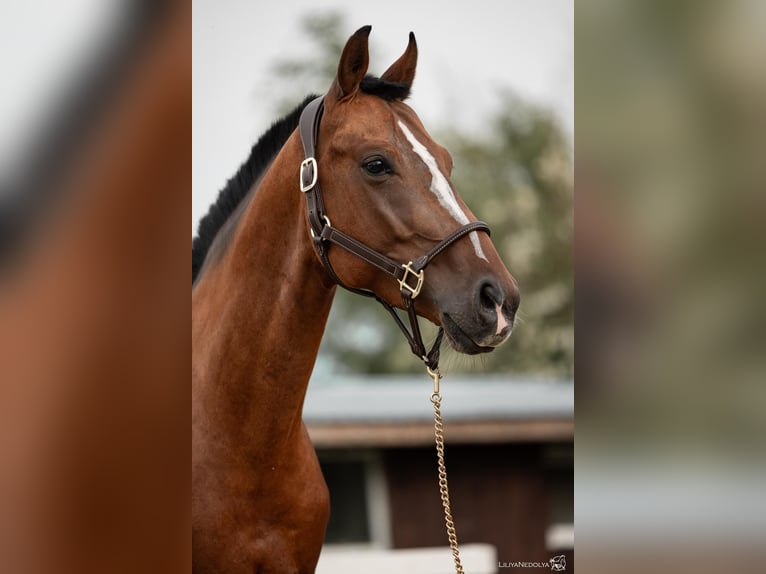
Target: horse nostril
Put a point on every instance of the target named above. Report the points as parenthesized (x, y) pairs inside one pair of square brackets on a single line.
[(490, 295)]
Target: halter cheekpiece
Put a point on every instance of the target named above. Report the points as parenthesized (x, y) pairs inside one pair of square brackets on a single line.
[(410, 276)]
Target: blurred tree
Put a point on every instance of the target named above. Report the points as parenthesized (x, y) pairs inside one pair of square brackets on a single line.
[(313, 71), (517, 178)]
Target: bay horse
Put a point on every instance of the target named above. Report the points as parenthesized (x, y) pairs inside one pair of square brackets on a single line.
[(343, 190)]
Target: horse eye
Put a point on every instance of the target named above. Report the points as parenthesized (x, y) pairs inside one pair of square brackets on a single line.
[(377, 166)]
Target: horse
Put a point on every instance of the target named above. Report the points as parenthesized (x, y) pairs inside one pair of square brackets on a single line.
[(342, 191)]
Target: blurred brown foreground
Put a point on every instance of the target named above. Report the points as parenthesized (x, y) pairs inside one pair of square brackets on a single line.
[(670, 206), (94, 328)]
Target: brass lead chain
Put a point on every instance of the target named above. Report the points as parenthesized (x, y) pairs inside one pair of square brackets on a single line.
[(436, 399)]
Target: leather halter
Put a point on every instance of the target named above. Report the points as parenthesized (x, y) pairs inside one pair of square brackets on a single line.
[(410, 275)]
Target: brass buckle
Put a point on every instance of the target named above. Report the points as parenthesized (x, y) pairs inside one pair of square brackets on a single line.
[(312, 163), (408, 270)]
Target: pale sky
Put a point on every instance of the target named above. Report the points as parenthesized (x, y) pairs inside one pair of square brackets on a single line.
[(468, 52), (44, 47)]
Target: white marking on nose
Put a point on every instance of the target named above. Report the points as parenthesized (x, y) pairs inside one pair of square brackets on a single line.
[(441, 187), (501, 321)]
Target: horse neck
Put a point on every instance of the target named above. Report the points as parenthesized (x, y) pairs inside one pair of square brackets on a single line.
[(259, 314)]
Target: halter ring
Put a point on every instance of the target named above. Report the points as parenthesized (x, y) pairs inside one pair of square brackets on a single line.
[(326, 220)]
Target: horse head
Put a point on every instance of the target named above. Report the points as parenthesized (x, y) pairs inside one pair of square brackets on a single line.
[(387, 183)]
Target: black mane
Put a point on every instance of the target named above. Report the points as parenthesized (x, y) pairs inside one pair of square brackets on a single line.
[(237, 187), (261, 155)]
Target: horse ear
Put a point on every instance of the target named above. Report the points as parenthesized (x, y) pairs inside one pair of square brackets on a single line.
[(353, 63), (403, 70)]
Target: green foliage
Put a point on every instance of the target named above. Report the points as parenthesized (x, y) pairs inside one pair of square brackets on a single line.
[(517, 178)]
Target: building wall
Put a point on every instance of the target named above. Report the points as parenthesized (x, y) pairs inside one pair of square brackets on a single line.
[(506, 495), (499, 496)]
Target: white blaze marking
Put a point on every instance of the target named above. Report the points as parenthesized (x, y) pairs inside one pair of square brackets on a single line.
[(501, 322), (441, 187)]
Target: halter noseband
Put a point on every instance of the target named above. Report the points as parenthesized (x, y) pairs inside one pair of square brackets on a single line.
[(410, 275)]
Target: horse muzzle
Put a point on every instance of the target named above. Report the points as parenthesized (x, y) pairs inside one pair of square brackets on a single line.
[(484, 321)]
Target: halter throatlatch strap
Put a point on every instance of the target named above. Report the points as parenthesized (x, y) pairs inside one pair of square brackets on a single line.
[(410, 276)]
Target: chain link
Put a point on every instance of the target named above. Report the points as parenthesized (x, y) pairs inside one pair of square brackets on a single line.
[(436, 399)]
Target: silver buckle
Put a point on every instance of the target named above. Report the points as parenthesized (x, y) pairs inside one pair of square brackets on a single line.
[(306, 163), (408, 270), (326, 220)]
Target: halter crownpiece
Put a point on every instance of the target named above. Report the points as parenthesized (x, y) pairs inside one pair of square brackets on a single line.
[(410, 276)]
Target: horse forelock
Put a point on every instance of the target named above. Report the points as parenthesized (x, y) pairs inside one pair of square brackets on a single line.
[(385, 89)]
